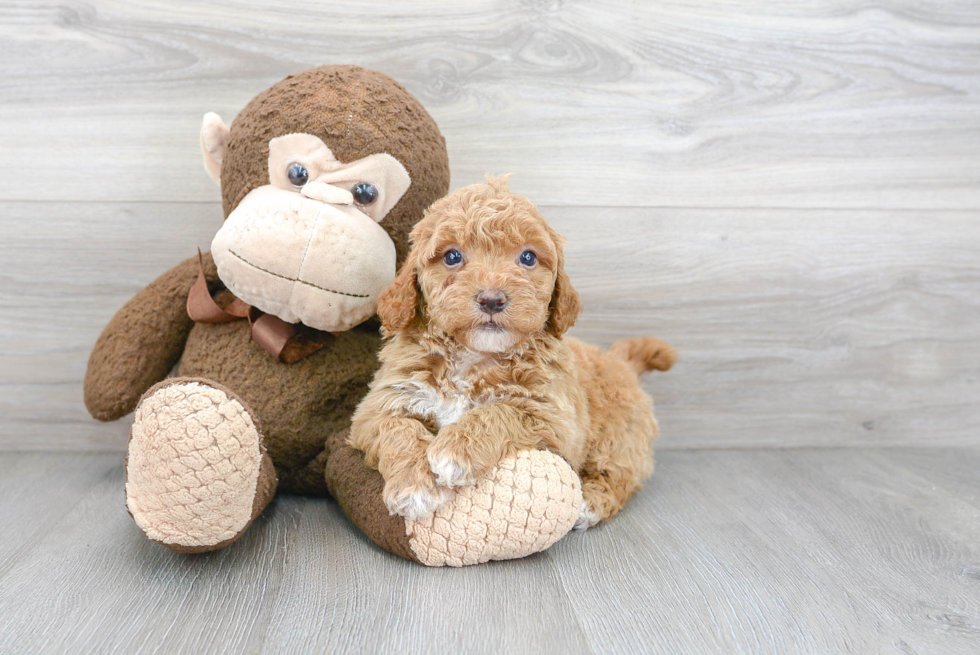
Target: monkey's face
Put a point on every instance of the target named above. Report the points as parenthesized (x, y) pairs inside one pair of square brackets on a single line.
[(308, 247)]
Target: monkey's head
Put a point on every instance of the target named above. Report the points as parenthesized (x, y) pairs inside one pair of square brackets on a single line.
[(322, 177)]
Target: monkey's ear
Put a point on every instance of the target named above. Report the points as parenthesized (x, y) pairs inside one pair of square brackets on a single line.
[(214, 142)]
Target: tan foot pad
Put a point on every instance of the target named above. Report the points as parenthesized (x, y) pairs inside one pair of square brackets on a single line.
[(193, 466), (522, 506)]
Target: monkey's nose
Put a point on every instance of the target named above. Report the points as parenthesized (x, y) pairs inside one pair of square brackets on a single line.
[(327, 193), (491, 301)]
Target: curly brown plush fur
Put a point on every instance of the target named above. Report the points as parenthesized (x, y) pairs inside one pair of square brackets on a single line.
[(476, 368)]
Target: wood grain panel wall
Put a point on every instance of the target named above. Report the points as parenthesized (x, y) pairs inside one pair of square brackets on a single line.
[(789, 192)]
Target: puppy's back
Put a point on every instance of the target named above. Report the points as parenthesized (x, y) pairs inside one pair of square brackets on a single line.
[(612, 386)]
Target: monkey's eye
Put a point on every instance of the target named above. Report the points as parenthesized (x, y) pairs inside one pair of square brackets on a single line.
[(364, 193), (453, 258), (528, 258), (298, 175)]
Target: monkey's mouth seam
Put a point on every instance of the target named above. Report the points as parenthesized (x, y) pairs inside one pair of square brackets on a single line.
[(290, 279)]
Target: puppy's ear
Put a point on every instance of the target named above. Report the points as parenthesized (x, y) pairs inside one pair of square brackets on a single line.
[(398, 303), (565, 304)]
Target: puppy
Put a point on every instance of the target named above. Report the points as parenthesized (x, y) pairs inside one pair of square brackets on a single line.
[(475, 367)]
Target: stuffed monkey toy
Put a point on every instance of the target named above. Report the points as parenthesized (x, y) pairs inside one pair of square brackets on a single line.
[(322, 177)]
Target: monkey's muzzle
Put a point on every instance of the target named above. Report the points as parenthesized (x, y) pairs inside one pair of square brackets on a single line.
[(305, 261)]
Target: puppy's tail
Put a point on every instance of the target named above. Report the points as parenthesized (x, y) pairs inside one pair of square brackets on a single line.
[(645, 354)]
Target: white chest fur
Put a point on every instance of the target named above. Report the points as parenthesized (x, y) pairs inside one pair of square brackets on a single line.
[(446, 403)]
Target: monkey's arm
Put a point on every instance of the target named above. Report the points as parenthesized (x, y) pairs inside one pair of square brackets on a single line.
[(142, 342)]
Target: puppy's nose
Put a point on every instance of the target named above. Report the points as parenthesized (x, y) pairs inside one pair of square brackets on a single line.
[(491, 300)]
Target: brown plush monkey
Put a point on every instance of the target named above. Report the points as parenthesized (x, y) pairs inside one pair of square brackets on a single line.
[(322, 177)]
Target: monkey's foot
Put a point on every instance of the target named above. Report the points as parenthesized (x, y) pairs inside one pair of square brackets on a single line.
[(521, 506), (197, 473)]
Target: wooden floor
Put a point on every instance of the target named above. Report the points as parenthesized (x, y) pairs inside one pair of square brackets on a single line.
[(726, 551)]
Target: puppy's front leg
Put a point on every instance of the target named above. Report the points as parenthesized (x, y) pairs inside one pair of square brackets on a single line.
[(464, 451), (396, 446)]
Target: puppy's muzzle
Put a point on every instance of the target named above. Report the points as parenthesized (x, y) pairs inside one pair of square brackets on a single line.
[(491, 301)]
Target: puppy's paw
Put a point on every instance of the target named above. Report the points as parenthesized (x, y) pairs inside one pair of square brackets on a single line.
[(449, 472), (451, 467), (413, 496), (586, 518)]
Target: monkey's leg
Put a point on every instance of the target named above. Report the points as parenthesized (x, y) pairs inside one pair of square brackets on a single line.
[(522, 506), (197, 473)]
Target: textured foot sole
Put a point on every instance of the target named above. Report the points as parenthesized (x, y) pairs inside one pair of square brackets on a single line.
[(522, 506), (193, 466)]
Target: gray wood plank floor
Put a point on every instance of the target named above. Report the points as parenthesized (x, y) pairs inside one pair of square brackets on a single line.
[(733, 551)]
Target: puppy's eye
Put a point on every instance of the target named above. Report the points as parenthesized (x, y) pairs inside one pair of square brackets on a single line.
[(453, 258), (364, 193), (528, 258), (298, 175)]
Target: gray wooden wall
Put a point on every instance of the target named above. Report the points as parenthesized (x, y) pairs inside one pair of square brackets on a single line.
[(786, 191)]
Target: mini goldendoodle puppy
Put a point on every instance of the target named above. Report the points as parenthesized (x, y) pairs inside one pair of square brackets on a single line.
[(475, 367)]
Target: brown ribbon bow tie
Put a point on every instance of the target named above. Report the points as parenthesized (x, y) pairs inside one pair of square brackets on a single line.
[(280, 339)]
